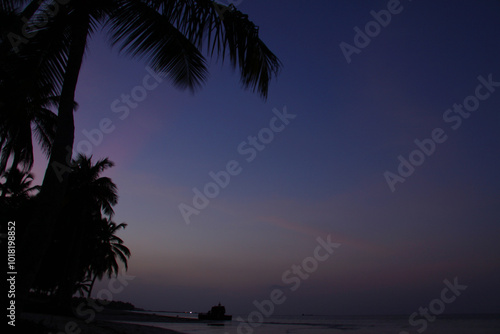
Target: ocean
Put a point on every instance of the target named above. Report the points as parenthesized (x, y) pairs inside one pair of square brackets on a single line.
[(444, 324)]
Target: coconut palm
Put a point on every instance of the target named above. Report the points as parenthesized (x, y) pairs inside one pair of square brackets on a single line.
[(18, 126), (17, 200), (171, 35), (84, 246), (26, 99), (88, 190), (17, 197), (89, 196), (17, 185), (107, 250)]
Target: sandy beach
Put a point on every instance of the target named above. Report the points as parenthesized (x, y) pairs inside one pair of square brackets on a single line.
[(106, 322)]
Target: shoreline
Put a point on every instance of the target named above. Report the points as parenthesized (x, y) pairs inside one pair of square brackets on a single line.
[(138, 316), (105, 322)]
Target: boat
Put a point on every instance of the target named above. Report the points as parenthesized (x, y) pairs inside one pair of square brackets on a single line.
[(216, 313)]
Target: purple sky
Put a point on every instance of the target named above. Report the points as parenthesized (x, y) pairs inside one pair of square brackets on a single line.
[(322, 174)]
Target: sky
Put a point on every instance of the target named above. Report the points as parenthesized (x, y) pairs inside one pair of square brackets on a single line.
[(361, 144)]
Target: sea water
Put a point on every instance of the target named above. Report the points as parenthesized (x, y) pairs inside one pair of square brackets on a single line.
[(451, 324)]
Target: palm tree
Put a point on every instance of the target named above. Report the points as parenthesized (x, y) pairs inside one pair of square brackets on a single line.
[(17, 198), (17, 185), (84, 246), (88, 189), (108, 249), (25, 101), (89, 196), (170, 34)]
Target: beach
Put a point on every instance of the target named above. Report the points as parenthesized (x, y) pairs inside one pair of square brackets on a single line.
[(356, 324), (128, 322), (106, 322)]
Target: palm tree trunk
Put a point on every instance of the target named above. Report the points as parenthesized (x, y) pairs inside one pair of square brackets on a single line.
[(71, 267), (39, 233), (92, 285)]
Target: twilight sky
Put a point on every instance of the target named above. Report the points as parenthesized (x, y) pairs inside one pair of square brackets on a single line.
[(321, 172)]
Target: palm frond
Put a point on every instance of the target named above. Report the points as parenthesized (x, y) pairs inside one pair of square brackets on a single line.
[(11, 5), (224, 31), (141, 31), (45, 129)]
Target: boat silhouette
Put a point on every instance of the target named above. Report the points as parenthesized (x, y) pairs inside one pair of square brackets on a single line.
[(216, 313)]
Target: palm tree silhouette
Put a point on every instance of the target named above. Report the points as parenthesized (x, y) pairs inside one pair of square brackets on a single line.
[(25, 101), (88, 189), (17, 198), (89, 197), (109, 248), (169, 35), (85, 246), (17, 185)]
